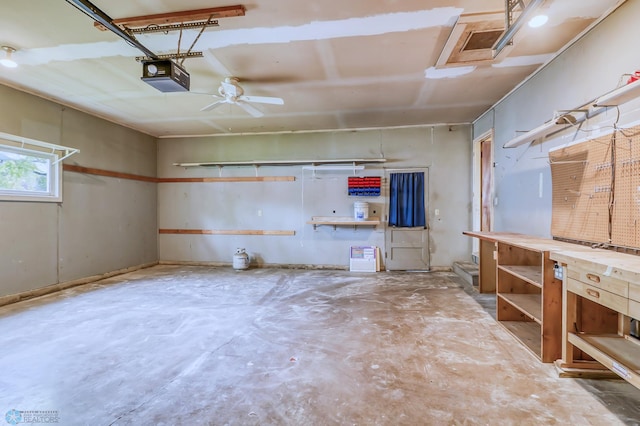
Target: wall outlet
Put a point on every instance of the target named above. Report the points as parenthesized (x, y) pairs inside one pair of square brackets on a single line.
[(558, 271)]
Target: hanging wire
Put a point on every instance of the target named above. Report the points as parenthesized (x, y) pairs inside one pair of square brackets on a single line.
[(204, 26), (613, 185), (180, 39)]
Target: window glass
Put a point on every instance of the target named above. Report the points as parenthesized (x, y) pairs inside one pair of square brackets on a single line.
[(28, 175)]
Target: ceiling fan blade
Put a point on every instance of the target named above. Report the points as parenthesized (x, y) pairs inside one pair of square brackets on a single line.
[(213, 105), (250, 109), (262, 99)]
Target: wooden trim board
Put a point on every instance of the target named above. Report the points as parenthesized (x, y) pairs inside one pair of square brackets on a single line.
[(43, 291), (107, 173), (180, 17)]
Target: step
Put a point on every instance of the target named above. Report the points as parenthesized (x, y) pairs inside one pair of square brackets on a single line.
[(468, 271)]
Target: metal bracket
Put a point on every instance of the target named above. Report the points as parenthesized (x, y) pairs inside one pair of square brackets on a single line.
[(172, 56), (68, 152), (172, 27)]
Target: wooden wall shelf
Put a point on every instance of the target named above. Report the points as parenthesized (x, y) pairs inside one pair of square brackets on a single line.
[(336, 221)]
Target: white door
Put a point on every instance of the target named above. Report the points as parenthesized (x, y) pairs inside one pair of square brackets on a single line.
[(407, 249)]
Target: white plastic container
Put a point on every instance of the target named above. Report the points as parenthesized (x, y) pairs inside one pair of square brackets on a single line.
[(361, 210), (240, 259)]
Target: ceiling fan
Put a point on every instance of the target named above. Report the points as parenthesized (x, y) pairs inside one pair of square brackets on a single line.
[(231, 93)]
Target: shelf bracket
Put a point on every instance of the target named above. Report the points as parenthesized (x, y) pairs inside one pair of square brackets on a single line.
[(25, 142)]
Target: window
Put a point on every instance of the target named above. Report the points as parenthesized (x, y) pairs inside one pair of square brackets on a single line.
[(31, 170), (29, 175)]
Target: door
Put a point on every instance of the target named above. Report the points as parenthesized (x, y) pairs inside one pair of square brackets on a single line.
[(407, 248), (486, 185), (483, 211)]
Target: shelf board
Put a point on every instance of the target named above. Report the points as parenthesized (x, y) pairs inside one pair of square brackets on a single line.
[(552, 126), (258, 163), (526, 332), (618, 353), (529, 304), (342, 221), (619, 96), (530, 274)]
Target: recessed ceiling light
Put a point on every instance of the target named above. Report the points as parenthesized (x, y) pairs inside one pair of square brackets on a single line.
[(7, 61), (538, 21)]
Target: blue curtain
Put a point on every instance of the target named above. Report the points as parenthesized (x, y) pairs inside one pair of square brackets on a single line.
[(406, 200)]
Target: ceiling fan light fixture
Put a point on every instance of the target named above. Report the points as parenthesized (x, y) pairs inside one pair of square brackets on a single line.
[(538, 21), (7, 61), (232, 93)]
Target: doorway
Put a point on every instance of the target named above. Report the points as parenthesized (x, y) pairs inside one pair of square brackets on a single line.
[(486, 185), (483, 185), (407, 247)]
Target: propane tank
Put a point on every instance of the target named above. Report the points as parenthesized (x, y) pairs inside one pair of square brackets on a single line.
[(240, 259)]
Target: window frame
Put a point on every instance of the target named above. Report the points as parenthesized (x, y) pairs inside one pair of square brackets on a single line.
[(55, 154), (54, 177)]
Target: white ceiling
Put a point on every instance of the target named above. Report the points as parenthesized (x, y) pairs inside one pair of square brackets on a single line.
[(338, 64)]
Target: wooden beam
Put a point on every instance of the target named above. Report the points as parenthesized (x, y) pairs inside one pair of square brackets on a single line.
[(224, 232), (180, 17), (107, 173), (229, 179), (19, 297)]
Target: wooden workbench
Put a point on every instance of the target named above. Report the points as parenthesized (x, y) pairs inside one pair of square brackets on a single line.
[(601, 294)]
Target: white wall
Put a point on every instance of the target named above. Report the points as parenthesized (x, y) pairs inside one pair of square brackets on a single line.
[(591, 67), (102, 225), (289, 205)]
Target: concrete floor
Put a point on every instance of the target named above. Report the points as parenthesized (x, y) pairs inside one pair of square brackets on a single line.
[(178, 345)]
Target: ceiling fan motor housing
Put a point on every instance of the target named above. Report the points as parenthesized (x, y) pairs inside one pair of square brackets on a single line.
[(230, 88)]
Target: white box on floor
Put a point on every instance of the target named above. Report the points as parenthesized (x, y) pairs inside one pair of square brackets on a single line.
[(364, 259)]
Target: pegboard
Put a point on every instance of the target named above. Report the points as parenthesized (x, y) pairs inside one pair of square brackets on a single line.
[(626, 211), (581, 181), (596, 190)]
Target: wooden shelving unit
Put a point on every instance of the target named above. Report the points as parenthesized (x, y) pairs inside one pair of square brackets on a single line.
[(336, 221), (487, 259), (530, 274), (529, 304), (529, 298), (528, 333)]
